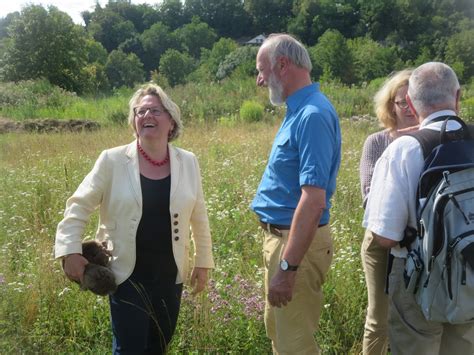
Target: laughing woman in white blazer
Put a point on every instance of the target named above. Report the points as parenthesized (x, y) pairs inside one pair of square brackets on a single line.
[(150, 198)]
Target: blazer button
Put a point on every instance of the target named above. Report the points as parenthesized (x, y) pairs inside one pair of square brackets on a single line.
[(176, 238), (175, 215), (176, 230), (175, 223)]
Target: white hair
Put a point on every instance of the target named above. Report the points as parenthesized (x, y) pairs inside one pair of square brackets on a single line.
[(433, 86), (283, 45)]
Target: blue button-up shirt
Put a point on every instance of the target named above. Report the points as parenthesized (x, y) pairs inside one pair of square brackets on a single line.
[(306, 151)]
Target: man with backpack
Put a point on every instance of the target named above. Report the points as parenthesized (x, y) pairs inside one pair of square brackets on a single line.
[(433, 96)]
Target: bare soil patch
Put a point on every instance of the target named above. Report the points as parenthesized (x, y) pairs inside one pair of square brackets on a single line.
[(47, 125)]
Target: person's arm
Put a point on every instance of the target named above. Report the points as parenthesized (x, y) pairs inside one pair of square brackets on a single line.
[(391, 205), (305, 221), (73, 266), (199, 278), (203, 259), (385, 242), (373, 148), (79, 207)]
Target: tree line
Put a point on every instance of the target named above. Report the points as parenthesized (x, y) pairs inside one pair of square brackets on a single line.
[(121, 44)]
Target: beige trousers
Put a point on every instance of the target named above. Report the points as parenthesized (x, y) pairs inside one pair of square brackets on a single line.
[(374, 261), (291, 328), (411, 334)]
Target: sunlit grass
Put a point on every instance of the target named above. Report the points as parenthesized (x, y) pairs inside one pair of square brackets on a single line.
[(42, 312)]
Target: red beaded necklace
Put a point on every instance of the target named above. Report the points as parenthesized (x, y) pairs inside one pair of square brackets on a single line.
[(150, 160)]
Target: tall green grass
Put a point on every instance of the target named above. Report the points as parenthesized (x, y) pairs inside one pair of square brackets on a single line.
[(42, 312), (199, 102)]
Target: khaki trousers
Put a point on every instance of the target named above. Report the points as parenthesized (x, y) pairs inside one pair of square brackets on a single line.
[(411, 334), (291, 328), (374, 261)]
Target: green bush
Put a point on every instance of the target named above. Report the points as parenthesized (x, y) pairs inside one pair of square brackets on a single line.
[(175, 66), (251, 111), (242, 56)]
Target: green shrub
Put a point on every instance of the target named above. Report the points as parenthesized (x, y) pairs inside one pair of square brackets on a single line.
[(175, 66), (242, 56), (251, 111)]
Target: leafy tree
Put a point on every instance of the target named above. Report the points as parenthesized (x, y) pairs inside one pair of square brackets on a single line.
[(5, 22), (212, 58), (124, 69), (94, 78), (155, 41), (426, 55), (194, 36), (132, 13), (175, 66), (371, 60), (172, 14), (110, 29), (460, 54), (86, 17), (314, 17), (227, 17), (269, 16), (332, 57), (96, 53), (45, 43), (377, 18), (150, 17)]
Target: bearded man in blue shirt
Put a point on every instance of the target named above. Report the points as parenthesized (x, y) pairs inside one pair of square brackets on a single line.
[(293, 198)]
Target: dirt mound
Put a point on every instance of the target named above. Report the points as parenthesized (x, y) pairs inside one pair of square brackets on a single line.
[(47, 125)]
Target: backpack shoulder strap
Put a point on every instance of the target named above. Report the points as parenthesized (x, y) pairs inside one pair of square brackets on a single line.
[(428, 139)]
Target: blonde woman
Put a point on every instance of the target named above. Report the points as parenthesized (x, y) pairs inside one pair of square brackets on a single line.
[(395, 117), (149, 195)]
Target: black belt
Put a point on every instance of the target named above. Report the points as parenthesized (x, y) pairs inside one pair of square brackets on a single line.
[(277, 229)]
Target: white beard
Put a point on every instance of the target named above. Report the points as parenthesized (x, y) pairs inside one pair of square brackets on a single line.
[(276, 91)]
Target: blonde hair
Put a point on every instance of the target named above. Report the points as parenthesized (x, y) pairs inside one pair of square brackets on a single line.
[(384, 98), (168, 104)]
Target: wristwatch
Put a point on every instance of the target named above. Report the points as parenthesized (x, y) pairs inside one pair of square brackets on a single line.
[(285, 266)]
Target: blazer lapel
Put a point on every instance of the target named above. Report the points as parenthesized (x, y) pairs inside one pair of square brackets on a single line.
[(133, 171), (175, 162)]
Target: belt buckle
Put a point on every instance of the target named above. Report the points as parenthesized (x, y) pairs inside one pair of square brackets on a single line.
[(277, 232)]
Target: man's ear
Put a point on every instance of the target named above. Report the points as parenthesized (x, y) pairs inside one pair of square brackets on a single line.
[(283, 64), (458, 101), (412, 108)]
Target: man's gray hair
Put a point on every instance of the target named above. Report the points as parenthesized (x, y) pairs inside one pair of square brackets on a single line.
[(433, 86), (283, 45)]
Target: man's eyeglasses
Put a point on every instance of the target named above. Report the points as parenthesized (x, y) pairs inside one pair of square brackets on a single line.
[(403, 104), (141, 112)]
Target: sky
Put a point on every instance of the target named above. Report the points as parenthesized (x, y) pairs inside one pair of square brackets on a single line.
[(72, 7)]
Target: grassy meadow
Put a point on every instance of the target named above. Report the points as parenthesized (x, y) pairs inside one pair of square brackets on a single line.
[(42, 312)]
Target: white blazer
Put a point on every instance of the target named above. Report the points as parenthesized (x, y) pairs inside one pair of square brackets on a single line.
[(114, 186)]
